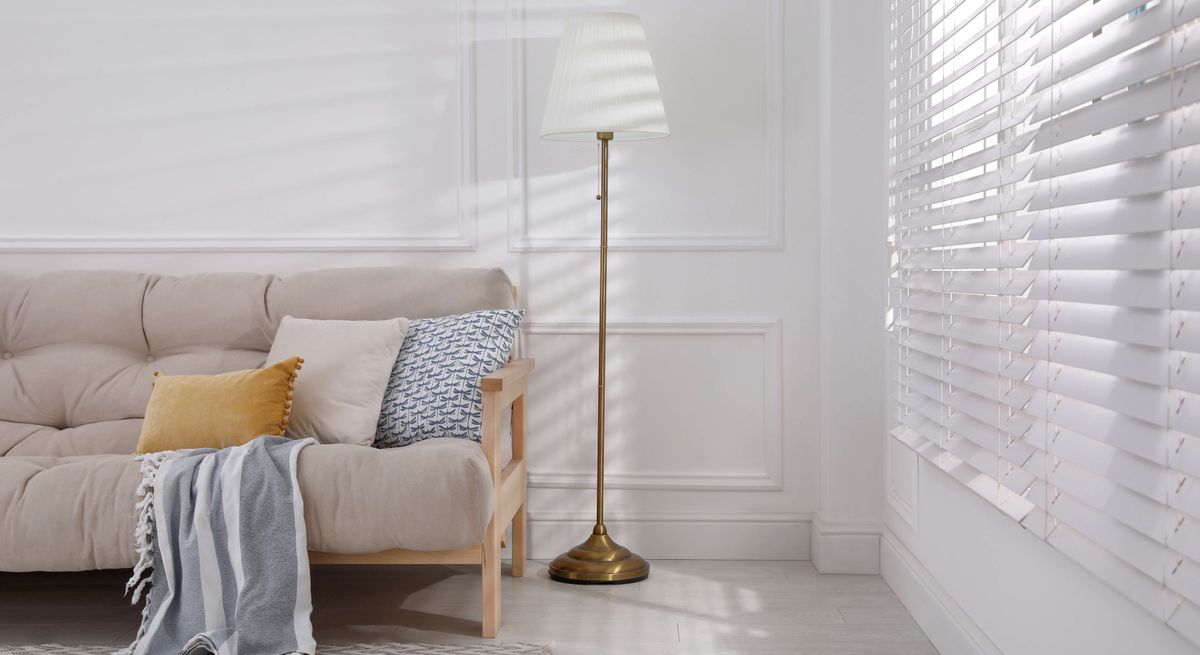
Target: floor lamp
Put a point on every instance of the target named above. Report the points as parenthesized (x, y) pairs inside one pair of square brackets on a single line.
[(603, 88)]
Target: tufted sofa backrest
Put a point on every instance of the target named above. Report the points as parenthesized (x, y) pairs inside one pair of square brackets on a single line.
[(78, 349)]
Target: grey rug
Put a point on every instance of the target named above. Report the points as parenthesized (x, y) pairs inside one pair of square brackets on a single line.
[(356, 649)]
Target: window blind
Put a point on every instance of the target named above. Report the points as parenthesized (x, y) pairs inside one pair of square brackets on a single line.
[(1044, 302)]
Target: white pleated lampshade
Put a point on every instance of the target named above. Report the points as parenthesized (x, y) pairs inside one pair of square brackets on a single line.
[(604, 81)]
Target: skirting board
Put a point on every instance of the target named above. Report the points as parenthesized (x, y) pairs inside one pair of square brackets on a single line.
[(751, 537), (840, 547), (945, 623)]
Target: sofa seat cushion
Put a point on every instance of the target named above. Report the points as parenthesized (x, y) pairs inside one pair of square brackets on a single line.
[(76, 513)]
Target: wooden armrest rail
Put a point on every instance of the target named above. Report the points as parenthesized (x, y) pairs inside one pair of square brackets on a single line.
[(512, 491), (503, 387), (511, 373)]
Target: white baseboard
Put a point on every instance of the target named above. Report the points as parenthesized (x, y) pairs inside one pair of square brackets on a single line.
[(844, 547), (722, 536), (945, 623)]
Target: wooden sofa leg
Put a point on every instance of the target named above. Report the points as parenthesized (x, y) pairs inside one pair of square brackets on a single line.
[(518, 543), (491, 580)]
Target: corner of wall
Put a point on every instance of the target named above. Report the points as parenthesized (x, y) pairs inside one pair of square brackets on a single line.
[(946, 624), (852, 281), (845, 547)]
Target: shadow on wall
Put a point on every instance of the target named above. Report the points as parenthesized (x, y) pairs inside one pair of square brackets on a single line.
[(145, 119)]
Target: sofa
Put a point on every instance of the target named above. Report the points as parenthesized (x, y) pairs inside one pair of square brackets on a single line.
[(78, 353)]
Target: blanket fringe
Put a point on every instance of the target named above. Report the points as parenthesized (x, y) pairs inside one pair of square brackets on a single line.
[(143, 540)]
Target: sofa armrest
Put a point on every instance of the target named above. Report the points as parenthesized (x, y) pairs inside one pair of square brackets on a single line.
[(508, 375), (502, 389)]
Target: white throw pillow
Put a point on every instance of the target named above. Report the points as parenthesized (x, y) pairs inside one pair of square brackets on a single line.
[(346, 369)]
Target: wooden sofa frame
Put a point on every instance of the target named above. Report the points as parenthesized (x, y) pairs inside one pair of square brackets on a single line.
[(502, 389)]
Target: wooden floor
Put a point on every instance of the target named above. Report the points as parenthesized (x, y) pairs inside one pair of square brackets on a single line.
[(685, 607)]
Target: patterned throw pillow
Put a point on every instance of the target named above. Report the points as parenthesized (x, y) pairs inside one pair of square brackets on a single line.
[(434, 389)]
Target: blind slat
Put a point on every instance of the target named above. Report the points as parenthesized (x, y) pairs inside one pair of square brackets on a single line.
[(1142, 101), (1114, 40), (1084, 20), (1128, 215), (1155, 59)]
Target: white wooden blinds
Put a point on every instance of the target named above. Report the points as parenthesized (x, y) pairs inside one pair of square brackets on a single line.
[(1044, 300)]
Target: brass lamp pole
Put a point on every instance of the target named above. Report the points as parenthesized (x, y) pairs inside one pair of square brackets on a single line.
[(600, 560), (604, 87)]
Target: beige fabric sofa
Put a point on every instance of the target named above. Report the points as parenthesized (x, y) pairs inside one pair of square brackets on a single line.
[(78, 351)]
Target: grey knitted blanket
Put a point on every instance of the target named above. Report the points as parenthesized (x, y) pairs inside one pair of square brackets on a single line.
[(223, 550)]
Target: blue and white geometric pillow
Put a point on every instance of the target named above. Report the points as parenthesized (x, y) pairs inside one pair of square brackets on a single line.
[(434, 388)]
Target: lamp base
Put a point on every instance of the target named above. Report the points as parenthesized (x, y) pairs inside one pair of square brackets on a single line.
[(599, 560)]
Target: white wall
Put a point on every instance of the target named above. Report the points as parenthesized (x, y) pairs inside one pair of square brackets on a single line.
[(979, 583), (282, 136), (853, 284)]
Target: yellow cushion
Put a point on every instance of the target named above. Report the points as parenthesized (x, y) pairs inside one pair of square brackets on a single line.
[(215, 411)]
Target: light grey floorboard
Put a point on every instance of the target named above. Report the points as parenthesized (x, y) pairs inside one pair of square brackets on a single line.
[(687, 607)]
